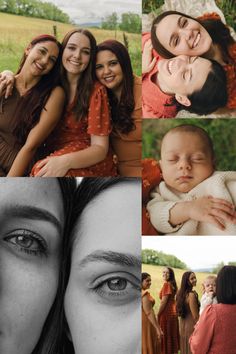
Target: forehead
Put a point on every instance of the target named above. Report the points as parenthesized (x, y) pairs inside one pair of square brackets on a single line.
[(180, 140), (36, 192), (105, 56), (79, 39), (104, 225), (50, 45)]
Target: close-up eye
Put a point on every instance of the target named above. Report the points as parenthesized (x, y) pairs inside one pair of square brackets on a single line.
[(98, 67), (119, 289), (28, 242), (113, 62)]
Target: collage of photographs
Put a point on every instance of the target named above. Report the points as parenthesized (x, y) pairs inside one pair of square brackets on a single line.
[(125, 111)]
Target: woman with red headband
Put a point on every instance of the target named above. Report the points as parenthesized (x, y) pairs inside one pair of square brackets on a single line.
[(29, 115)]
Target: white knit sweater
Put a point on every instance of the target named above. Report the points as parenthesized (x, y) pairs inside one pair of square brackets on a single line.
[(219, 185)]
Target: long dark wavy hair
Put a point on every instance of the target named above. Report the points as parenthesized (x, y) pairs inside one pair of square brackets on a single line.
[(86, 80), (217, 30), (121, 110), (31, 104), (172, 280), (182, 294), (49, 341)]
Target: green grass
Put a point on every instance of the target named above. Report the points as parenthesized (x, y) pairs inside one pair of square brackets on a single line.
[(17, 32), (157, 282)]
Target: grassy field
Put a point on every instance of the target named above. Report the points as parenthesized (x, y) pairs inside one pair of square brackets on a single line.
[(17, 31), (157, 282)]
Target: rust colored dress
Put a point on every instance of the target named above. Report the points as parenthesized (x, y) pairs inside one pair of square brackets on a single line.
[(71, 135), (186, 328), (168, 321), (128, 147), (150, 343)]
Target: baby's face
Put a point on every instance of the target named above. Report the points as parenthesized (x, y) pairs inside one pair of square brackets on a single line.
[(210, 286), (185, 160)]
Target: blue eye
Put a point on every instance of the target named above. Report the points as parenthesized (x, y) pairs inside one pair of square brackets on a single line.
[(27, 241)]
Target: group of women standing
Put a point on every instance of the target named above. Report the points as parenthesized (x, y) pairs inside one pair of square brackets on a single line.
[(67, 101), (165, 334)]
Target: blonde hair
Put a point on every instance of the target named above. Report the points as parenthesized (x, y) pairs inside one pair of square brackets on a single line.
[(209, 277)]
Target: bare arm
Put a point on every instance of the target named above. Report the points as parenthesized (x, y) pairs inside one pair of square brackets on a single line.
[(7, 80), (207, 209), (47, 122), (163, 304), (193, 305), (147, 307), (58, 166)]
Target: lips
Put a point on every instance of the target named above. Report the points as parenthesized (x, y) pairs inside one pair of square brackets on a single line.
[(108, 78), (39, 66), (184, 178), (76, 63)]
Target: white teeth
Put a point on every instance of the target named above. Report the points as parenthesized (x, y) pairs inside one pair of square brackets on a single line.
[(169, 66), (39, 66), (195, 43), (109, 79)]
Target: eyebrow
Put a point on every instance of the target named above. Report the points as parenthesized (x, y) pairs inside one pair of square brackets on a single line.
[(123, 259), (33, 213), (52, 56)]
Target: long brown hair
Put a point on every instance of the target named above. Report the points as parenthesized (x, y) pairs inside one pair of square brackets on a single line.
[(121, 110), (31, 104), (86, 80), (217, 30)]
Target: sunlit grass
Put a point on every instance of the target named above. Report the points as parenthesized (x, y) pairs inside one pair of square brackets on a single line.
[(17, 32)]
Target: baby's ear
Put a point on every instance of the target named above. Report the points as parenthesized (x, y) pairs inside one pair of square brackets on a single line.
[(183, 100)]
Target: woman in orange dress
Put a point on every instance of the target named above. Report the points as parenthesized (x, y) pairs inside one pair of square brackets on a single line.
[(114, 70), (174, 33), (187, 305), (151, 332), (167, 315), (79, 146)]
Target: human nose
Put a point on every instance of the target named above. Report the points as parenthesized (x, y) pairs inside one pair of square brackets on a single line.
[(184, 163), (106, 69), (187, 33), (77, 53)]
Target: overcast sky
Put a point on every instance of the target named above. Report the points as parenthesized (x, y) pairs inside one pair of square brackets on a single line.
[(83, 11), (196, 251)]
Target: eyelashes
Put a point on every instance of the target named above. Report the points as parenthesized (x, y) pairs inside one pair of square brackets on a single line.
[(28, 242), (118, 288)]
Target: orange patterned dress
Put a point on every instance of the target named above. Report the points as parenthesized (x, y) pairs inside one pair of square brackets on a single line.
[(71, 135), (168, 321), (150, 343)]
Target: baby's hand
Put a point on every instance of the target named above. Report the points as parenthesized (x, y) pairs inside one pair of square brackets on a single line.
[(215, 211), (148, 61), (7, 80)]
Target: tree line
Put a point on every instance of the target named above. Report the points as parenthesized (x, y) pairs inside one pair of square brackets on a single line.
[(130, 22), (159, 258), (34, 8)]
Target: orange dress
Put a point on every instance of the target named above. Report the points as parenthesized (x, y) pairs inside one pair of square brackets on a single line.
[(150, 343), (230, 69), (71, 135), (168, 320), (128, 147)]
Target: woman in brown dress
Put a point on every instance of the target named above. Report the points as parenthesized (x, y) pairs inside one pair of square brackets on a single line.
[(114, 70), (187, 305), (31, 112), (167, 315), (151, 332)]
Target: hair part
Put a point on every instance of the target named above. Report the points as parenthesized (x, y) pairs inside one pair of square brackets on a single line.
[(121, 111), (86, 80)]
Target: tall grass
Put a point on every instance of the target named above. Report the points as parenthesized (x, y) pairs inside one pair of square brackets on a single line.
[(17, 32)]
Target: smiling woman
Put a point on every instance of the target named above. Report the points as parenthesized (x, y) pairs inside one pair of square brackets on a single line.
[(31, 243), (102, 298)]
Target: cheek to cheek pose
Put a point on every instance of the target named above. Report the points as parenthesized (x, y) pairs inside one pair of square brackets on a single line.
[(32, 221), (102, 300)]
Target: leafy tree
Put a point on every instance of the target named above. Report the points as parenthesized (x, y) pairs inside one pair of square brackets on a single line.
[(131, 22), (150, 256), (110, 21)]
